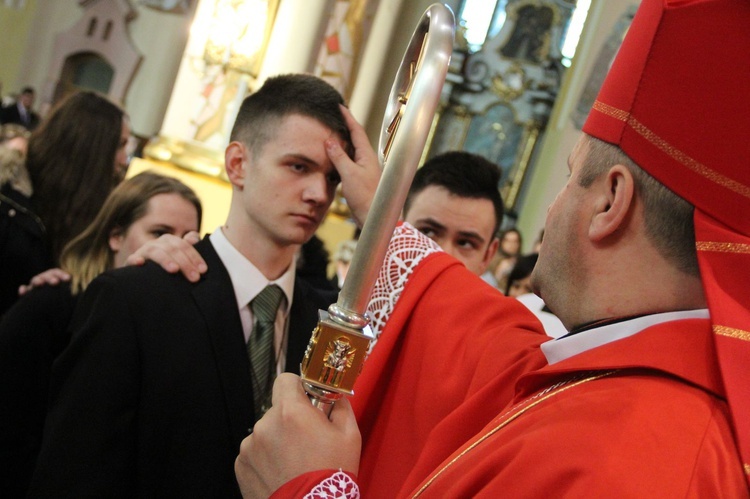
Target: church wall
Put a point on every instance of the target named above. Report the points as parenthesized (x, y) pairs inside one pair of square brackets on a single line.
[(160, 37), (15, 27), (550, 172)]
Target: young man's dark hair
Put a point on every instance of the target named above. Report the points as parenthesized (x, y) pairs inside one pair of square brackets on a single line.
[(462, 174), (287, 94)]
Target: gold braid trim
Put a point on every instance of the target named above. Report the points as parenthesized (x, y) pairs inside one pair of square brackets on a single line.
[(721, 247), (673, 152), (747, 469), (731, 332), (512, 414)]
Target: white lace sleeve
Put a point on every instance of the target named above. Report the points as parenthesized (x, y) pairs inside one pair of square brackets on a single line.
[(337, 486), (407, 248)]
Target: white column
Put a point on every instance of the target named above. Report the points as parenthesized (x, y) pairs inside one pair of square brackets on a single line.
[(296, 37), (378, 48)]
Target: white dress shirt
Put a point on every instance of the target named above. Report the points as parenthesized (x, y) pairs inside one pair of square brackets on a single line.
[(247, 282), (566, 347)]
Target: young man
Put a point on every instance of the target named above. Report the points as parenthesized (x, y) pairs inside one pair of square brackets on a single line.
[(645, 261), (164, 377), (454, 200)]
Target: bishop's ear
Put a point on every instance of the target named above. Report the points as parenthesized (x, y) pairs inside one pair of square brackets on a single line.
[(614, 202), (235, 163)]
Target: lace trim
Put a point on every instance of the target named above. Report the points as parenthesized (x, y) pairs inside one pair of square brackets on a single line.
[(337, 486), (408, 247)]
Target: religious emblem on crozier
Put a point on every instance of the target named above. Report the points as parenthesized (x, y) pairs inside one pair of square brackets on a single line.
[(309, 350), (338, 358)]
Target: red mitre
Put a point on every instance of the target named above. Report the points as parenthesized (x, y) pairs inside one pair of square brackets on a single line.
[(677, 102)]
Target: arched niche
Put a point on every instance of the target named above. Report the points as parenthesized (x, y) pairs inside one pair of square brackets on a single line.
[(95, 53)]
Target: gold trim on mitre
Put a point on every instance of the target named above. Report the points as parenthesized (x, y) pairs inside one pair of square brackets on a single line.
[(731, 332), (721, 247), (673, 152)]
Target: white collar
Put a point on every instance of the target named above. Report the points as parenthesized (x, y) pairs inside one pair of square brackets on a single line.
[(568, 346), (247, 280)]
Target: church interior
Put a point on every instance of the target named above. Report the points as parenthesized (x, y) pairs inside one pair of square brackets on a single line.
[(522, 77)]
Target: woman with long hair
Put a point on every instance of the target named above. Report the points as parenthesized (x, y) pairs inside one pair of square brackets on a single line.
[(507, 253), (74, 160), (35, 330)]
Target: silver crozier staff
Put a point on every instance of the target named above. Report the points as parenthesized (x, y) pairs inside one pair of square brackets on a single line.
[(339, 344)]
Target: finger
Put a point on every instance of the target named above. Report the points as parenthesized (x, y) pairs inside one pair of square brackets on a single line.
[(135, 260), (342, 417), (42, 279), (192, 237), (158, 254), (183, 254), (196, 261), (357, 133), (23, 289), (337, 155), (59, 274), (51, 276), (287, 386)]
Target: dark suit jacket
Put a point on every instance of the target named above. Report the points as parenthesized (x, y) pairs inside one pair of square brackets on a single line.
[(33, 332), (11, 114), (24, 251), (154, 393)]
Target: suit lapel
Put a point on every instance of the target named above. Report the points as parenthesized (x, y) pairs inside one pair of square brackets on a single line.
[(303, 317), (214, 297)]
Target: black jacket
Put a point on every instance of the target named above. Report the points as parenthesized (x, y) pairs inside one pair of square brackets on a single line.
[(23, 245), (153, 396)]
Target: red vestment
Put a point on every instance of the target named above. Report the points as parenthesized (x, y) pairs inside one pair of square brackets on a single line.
[(657, 426)]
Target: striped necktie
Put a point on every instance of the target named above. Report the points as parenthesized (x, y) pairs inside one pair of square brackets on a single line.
[(260, 346)]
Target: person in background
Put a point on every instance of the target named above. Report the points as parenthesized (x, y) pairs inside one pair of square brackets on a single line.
[(74, 160), (312, 264), (510, 248), (520, 288), (538, 242), (342, 259), (34, 331), (14, 178), (21, 112), (454, 201), (646, 259), (519, 278), (164, 377)]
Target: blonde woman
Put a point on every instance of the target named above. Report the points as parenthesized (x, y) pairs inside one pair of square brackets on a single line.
[(34, 331)]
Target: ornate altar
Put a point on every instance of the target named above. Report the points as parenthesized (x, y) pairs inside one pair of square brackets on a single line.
[(500, 98)]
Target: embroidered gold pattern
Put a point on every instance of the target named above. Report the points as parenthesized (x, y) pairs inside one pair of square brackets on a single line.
[(722, 247), (731, 332), (672, 151), (511, 415), (611, 111)]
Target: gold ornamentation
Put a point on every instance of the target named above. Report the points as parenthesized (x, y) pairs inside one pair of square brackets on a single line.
[(403, 98), (731, 332), (514, 413), (337, 359), (334, 357), (238, 34), (721, 247), (511, 84), (672, 151), (188, 155)]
